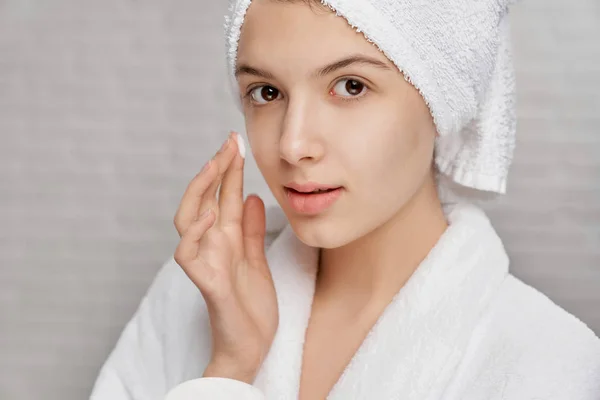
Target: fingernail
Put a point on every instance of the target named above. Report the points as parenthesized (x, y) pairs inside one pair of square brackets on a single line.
[(206, 166), (241, 145)]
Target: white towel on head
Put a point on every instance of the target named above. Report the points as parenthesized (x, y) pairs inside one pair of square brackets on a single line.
[(457, 53)]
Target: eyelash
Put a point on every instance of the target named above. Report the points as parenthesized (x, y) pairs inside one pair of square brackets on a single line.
[(342, 98)]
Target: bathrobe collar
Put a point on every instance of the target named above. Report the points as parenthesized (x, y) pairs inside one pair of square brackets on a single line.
[(416, 344)]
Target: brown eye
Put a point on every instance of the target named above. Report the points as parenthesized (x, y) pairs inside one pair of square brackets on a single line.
[(352, 87), (264, 94)]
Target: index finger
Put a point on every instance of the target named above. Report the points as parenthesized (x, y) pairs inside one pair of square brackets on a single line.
[(231, 200), (197, 196)]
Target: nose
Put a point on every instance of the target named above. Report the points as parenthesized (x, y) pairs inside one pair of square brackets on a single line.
[(301, 140)]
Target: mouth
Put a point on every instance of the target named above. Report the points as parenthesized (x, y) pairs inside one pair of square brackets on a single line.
[(313, 202), (316, 191), (310, 187)]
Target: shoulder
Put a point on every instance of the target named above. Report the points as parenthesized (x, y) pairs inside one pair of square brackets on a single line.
[(523, 312), (526, 346), (168, 339)]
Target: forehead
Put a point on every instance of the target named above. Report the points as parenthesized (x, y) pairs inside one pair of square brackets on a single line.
[(277, 32)]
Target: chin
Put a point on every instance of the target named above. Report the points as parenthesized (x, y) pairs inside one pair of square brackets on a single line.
[(319, 232), (328, 229)]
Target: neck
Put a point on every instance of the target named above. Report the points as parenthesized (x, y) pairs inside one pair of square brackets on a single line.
[(366, 273)]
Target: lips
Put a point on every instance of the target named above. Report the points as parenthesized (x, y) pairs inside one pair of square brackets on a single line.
[(313, 192), (310, 187), (312, 203)]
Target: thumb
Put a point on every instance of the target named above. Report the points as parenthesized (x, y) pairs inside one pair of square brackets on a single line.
[(254, 230)]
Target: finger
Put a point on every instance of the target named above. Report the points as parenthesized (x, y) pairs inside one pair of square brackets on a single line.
[(192, 197), (187, 250), (222, 161), (231, 200), (191, 203), (254, 230)]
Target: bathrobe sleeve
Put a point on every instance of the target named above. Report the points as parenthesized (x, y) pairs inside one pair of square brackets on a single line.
[(136, 368), (164, 348), (214, 388)]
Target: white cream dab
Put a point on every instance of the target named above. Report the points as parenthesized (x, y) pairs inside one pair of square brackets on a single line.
[(241, 146)]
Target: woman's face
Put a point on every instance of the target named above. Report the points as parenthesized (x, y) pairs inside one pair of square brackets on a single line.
[(356, 125)]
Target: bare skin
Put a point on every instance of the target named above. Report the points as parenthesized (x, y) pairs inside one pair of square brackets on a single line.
[(338, 325), (329, 347), (379, 147), (357, 124)]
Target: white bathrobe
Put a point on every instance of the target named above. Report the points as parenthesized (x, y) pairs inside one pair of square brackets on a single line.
[(461, 328)]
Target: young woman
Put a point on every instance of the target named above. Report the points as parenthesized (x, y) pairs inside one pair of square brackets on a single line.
[(374, 123)]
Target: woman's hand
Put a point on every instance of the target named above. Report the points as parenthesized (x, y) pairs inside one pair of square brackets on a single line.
[(222, 252)]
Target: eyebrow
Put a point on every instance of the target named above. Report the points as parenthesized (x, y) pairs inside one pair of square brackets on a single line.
[(328, 69)]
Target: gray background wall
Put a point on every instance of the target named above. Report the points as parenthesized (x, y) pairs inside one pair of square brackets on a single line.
[(108, 108)]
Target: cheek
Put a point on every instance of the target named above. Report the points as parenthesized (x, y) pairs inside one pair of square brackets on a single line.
[(263, 153), (263, 141), (389, 165)]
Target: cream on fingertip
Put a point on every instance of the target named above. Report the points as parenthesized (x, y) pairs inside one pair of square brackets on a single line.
[(241, 146)]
